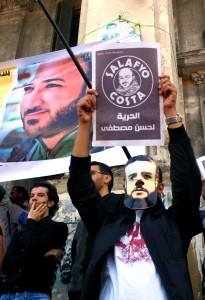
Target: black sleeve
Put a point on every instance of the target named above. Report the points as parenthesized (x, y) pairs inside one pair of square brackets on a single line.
[(84, 194), (34, 243), (186, 182)]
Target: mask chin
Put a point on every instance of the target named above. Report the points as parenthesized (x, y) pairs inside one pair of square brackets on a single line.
[(141, 203)]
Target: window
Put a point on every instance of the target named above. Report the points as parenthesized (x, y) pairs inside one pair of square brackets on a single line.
[(67, 19)]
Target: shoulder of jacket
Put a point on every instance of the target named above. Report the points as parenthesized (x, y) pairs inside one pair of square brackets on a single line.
[(21, 150)]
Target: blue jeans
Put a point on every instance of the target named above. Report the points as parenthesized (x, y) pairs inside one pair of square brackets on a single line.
[(25, 296)]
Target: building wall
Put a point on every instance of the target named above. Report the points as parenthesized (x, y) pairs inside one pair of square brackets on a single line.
[(25, 31)]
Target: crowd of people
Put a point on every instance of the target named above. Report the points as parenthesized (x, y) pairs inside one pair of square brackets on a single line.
[(126, 246)]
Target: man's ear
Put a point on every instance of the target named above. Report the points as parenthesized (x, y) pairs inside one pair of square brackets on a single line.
[(107, 178), (50, 203), (160, 188)]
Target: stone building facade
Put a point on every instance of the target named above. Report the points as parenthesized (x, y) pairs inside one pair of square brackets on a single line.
[(179, 27)]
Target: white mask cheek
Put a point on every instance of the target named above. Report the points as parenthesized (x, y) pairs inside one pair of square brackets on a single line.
[(151, 186), (130, 186)]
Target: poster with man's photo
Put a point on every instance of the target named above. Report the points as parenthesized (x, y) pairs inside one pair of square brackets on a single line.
[(129, 110), (118, 29), (38, 118)]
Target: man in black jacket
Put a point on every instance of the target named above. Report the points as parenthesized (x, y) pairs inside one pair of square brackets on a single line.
[(34, 254), (138, 249), (103, 178)]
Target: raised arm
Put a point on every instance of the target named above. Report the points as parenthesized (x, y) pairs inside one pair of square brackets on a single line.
[(185, 175), (169, 93), (85, 109), (81, 188)]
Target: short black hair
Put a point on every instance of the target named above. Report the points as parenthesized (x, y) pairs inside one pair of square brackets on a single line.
[(52, 195), (146, 158), (2, 192), (23, 190), (111, 24), (105, 169)]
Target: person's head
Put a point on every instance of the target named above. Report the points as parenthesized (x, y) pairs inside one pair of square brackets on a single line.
[(2, 193), (126, 77), (111, 29), (18, 195), (45, 192), (102, 176), (49, 100), (143, 182)]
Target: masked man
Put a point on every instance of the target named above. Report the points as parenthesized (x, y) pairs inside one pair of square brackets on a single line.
[(138, 248)]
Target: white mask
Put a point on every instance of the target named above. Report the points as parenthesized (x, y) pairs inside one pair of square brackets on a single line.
[(141, 184)]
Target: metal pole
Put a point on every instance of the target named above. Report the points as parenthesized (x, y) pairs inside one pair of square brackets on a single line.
[(127, 153), (72, 55)]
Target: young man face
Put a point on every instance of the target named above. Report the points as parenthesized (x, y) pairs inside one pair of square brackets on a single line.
[(38, 196), (141, 184), (14, 195), (97, 177), (47, 105)]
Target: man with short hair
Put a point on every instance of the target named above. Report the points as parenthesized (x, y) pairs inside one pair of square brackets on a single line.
[(3, 216), (13, 216), (103, 178), (138, 248), (34, 254), (19, 196)]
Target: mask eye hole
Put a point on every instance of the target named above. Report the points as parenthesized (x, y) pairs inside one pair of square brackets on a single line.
[(131, 177), (147, 176)]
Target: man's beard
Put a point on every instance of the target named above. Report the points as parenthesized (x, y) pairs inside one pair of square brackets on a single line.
[(65, 119), (141, 203)]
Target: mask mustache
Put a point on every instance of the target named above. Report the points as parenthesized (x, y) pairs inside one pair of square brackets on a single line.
[(139, 188)]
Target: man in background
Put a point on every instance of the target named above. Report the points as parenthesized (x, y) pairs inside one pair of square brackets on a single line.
[(12, 215), (103, 178), (19, 195)]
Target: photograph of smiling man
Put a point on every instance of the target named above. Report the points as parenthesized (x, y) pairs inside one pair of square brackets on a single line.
[(50, 91)]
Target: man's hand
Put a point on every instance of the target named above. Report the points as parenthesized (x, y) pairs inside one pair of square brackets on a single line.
[(86, 106), (169, 93), (53, 252), (39, 212)]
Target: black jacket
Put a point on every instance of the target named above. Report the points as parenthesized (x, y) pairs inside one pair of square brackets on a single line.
[(24, 265), (80, 245), (167, 232)]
